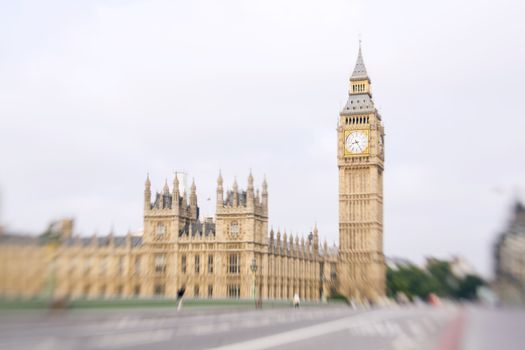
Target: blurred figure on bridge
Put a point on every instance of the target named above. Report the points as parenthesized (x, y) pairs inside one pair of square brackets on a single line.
[(180, 296), (296, 300)]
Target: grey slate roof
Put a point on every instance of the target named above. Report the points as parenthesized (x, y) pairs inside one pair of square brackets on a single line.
[(18, 239), (198, 228), (119, 241), (359, 69), (358, 104)]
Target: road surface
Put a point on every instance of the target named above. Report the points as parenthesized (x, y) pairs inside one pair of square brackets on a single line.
[(396, 328)]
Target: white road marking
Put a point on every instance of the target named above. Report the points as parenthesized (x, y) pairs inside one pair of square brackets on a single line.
[(121, 340), (302, 333)]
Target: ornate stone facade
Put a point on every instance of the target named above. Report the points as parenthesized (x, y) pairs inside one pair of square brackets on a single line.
[(509, 254), (360, 155), (229, 257)]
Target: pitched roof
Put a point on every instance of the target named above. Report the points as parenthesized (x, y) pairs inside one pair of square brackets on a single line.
[(359, 69)]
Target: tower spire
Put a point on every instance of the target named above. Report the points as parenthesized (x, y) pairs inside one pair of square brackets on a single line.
[(176, 188), (220, 191), (250, 192), (166, 189), (147, 193), (193, 200), (360, 72)]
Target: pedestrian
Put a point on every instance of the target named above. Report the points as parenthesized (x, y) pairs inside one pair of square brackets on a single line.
[(296, 300), (180, 295)]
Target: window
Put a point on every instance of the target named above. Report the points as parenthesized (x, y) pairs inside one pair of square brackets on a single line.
[(234, 264), (210, 291), (159, 290), (104, 265), (333, 272), (210, 264), (136, 290), (197, 264), (137, 265), (183, 264), (161, 229), (87, 265), (196, 291), (120, 265), (234, 229), (234, 291), (160, 263)]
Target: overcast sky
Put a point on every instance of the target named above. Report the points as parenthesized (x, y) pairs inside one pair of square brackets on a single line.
[(95, 94)]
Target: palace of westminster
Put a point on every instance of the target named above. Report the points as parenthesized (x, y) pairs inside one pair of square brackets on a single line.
[(233, 255)]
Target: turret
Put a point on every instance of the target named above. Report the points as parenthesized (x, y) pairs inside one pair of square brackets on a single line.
[(220, 191), (184, 200), (271, 237), (265, 194), (175, 195), (235, 193), (111, 238), (249, 191), (165, 195), (193, 200), (278, 238), (147, 194), (316, 240), (308, 247)]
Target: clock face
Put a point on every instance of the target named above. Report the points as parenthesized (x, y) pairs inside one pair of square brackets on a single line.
[(356, 142)]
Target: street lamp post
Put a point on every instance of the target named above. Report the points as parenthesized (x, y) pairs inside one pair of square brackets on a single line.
[(253, 267)]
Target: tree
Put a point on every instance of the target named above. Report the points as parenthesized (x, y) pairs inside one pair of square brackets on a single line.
[(437, 278), (468, 287)]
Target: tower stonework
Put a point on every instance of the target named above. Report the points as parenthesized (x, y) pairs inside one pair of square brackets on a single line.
[(360, 159)]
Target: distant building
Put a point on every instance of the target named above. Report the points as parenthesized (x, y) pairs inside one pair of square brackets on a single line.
[(509, 254), (461, 268)]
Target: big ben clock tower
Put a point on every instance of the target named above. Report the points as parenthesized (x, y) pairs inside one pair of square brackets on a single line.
[(360, 159)]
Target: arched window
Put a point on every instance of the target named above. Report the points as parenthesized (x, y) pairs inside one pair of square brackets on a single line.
[(161, 229), (234, 229)]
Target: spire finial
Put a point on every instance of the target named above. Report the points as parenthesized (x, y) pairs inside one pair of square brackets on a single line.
[(359, 72), (148, 182), (175, 183)]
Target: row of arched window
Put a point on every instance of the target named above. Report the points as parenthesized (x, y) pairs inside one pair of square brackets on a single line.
[(356, 120), (358, 87)]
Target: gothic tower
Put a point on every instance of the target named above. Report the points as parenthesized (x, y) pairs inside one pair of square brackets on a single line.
[(360, 157)]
